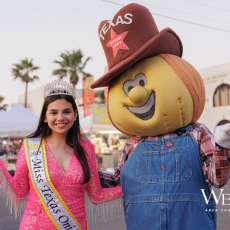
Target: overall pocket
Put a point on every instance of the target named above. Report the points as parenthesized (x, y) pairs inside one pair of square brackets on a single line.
[(166, 165), (147, 166)]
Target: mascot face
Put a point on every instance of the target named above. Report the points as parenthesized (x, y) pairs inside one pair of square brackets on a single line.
[(150, 99)]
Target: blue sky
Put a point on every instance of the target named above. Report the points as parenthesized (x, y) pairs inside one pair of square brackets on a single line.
[(42, 29)]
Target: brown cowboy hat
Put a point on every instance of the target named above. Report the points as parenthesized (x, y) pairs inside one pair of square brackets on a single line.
[(131, 36)]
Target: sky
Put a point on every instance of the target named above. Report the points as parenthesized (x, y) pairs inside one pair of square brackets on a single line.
[(42, 29)]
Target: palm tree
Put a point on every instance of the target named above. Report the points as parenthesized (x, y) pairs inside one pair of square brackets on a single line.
[(71, 65), (2, 106), (24, 71)]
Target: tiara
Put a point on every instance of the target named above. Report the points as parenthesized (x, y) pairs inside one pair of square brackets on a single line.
[(58, 87)]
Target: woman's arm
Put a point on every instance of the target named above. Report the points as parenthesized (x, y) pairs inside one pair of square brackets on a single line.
[(96, 193), (17, 185)]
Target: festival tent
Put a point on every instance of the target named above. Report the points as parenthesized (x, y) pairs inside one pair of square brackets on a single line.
[(3, 114), (18, 122), (86, 123)]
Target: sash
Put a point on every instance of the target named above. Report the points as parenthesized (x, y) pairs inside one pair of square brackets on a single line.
[(51, 200)]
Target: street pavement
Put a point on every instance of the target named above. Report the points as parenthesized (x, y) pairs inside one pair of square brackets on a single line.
[(223, 217), (7, 220)]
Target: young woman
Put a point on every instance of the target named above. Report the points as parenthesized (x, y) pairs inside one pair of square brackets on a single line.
[(55, 167)]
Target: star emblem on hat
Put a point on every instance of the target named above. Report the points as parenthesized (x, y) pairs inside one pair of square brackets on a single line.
[(117, 42)]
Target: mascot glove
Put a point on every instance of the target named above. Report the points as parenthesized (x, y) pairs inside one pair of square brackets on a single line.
[(222, 135)]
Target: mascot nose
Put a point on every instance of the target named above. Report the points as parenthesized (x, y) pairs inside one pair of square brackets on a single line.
[(138, 95)]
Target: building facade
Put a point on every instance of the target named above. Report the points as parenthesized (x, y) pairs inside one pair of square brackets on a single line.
[(217, 100)]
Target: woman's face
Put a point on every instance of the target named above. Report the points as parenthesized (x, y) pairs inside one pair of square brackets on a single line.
[(60, 116)]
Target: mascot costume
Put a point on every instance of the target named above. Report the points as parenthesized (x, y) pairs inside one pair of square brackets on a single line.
[(156, 96)]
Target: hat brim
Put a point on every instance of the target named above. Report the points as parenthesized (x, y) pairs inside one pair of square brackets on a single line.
[(166, 41)]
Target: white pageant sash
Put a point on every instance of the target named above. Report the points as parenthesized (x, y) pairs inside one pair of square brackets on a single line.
[(54, 205)]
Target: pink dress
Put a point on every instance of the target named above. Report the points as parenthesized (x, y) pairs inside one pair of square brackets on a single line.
[(68, 183)]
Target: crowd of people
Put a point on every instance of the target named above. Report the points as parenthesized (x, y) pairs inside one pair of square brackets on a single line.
[(108, 148), (8, 152)]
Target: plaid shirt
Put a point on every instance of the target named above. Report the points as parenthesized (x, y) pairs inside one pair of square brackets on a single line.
[(215, 159)]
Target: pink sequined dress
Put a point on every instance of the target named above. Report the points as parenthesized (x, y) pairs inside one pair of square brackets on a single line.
[(68, 183)]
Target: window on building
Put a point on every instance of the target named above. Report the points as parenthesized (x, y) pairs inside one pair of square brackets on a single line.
[(221, 95)]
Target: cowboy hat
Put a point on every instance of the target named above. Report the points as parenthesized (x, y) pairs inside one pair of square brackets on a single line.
[(131, 36)]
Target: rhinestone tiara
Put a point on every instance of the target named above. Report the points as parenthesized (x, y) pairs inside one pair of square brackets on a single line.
[(58, 87)]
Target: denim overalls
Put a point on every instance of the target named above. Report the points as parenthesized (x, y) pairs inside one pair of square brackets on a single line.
[(162, 182)]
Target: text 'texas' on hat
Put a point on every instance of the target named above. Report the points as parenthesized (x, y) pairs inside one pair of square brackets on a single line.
[(131, 36)]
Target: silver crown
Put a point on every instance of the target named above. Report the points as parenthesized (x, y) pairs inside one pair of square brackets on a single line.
[(58, 87)]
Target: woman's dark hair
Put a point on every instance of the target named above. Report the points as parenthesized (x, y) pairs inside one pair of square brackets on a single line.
[(73, 136)]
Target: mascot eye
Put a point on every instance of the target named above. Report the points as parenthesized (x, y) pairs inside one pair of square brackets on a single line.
[(141, 79), (141, 82), (128, 86)]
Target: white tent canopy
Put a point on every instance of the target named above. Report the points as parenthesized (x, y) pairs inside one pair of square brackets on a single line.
[(86, 123), (18, 122)]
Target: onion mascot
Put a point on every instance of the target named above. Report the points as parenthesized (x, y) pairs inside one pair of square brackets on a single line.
[(157, 97)]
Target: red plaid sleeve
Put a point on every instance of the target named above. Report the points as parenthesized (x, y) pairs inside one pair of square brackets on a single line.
[(129, 147), (216, 165)]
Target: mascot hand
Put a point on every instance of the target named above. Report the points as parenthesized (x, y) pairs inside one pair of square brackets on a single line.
[(222, 135)]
